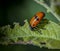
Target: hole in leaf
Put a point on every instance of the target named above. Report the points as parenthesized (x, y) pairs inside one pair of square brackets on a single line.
[(12, 41), (42, 43), (19, 38)]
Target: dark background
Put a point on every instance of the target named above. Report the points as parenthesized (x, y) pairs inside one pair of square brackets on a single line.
[(20, 47), (19, 10)]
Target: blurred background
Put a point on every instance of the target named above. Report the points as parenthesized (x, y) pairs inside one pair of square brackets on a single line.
[(19, 10)]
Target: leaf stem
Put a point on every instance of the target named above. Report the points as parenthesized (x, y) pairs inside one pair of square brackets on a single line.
[(48, 9)]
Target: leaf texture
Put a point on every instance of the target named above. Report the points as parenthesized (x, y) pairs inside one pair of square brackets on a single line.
[(47, 34)]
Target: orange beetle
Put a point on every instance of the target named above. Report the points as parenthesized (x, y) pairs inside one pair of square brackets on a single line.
[(36, 19)]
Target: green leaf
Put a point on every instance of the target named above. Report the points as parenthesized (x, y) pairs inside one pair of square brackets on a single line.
[(50, 36)]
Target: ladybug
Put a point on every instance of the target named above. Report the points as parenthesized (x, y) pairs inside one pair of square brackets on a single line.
[(36, 19)]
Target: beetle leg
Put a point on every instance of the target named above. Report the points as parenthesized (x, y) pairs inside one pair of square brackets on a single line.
[(38, 30), (43, 28), (31, 27)]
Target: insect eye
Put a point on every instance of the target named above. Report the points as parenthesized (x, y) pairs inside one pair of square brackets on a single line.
[(37, 19)]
